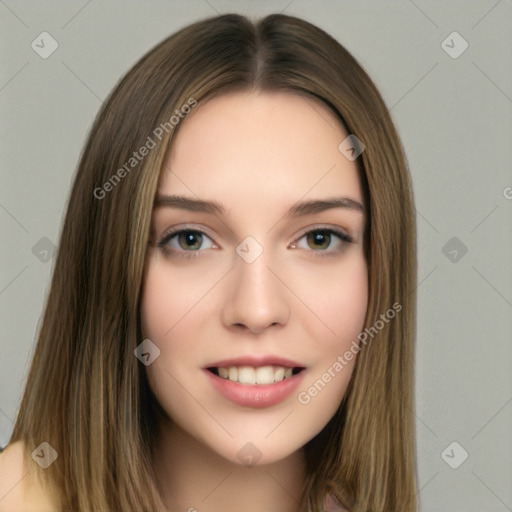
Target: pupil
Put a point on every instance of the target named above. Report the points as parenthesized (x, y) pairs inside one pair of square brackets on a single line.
[(321, 239), (190, 240)]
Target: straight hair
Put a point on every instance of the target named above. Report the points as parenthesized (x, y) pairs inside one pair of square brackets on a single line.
[(88, 396)]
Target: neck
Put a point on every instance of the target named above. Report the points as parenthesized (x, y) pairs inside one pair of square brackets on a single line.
[(193, 478)]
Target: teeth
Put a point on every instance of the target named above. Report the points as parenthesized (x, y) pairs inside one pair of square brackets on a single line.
[(251, 376), (265, 375), (246, 375), (233, 374)]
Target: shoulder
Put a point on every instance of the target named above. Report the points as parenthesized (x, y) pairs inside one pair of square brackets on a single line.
[(331, 504), (20, 490)]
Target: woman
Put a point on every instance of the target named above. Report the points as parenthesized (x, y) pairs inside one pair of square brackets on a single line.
[(231, 317)]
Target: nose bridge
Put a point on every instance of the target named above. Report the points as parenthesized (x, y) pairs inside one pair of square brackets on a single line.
[(256, 298), (255, 277)]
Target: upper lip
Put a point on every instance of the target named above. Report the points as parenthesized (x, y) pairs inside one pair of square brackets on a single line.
[(256, 361)]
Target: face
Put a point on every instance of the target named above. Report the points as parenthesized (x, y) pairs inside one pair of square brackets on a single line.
[(256, 282)]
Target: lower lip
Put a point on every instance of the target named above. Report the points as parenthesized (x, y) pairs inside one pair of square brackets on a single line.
[(258, 395)]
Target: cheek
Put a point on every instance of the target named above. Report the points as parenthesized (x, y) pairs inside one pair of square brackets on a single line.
[(337, 298), (164, 306), (176, 305), (339, 301), (170, 296), (159, 306), (345, 303), (168, 310)]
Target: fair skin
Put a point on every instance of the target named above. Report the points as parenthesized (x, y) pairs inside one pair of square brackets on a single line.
[(304, 298), (20, 489)]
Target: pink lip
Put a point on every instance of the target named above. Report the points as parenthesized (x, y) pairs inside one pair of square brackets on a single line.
[(258, 395), (256, 361)]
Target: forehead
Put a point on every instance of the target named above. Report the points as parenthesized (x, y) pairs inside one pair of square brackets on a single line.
[(272, 146)]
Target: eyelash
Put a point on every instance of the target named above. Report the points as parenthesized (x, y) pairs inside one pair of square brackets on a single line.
[(341, 235), (166, 238), (180, 254)]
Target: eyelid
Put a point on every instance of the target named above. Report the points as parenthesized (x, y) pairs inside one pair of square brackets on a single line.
[(185, 227), (341, 233), (337, 230), (176, 230)]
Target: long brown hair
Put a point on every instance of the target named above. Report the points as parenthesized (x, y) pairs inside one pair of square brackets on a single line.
[(86, 393)]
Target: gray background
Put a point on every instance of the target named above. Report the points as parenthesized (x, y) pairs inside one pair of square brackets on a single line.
[(454, 117)]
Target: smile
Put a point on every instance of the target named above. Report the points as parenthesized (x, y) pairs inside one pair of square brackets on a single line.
[(260, 391), (253, 376)]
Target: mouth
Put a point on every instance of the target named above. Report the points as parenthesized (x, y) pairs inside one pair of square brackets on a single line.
[(255, 375), (255, 381)]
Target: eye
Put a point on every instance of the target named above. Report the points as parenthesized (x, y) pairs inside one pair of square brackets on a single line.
[(323, 240), (186, 240)]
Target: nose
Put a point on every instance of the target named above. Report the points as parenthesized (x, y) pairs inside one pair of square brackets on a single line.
[(255, 298)]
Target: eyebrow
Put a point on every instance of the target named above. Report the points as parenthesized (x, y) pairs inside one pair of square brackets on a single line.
[(297, 210), (321, 205), (189, 203)]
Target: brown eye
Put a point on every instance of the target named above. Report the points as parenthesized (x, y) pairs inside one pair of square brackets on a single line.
[(324, 241), (190, 240), (319, 239), (186, 241)]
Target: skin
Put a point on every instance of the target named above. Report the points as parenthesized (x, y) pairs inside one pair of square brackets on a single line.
[(20, 489), (257, 154)]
